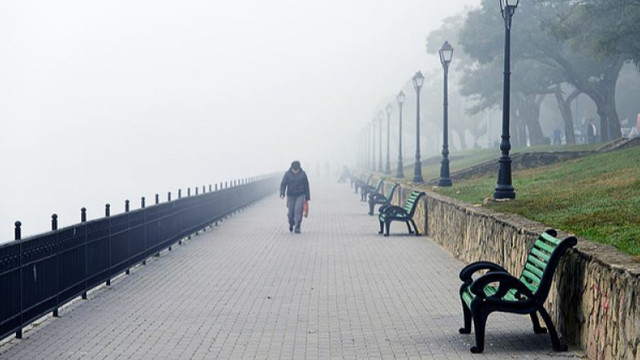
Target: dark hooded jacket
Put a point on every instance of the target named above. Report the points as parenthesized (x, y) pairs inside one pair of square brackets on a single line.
[(295, 184)]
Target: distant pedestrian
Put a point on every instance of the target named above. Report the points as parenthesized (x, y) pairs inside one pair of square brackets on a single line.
[(592, 132), (295, 186), (557, 137)]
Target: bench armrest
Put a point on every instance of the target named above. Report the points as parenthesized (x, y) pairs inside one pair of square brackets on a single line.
[(378, 197), (467, 272), (393, 210), (506, 282)]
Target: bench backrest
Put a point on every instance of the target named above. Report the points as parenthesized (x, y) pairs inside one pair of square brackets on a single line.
[(542, 261), (391, 191), (356, 179), (412, 202), (366, 182), (378, 186)]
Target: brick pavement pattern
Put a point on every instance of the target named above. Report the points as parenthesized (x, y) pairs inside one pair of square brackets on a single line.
[(250, 289)]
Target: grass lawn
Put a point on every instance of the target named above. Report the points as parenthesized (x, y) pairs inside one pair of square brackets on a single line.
[(596, 197)]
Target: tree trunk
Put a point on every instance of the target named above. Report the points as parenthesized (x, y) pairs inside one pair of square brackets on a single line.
[(565, 110), (529, 119), (611, 114)]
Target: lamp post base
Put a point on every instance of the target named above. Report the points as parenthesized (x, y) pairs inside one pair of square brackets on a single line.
[(504, 192), (444, 182), (417, 173), (504, 189)]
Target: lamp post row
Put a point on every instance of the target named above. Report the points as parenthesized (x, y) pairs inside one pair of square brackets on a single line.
[(446, 53), (504, 188)]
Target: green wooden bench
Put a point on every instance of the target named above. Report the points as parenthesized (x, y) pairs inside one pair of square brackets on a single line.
[(380, 199), (368, 190), (361, 182), (497, 290), (397, 213)]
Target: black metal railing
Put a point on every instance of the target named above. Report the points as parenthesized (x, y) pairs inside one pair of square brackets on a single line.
[(40, 273)]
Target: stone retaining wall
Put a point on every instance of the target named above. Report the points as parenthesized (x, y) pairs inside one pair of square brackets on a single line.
[(594, 298)]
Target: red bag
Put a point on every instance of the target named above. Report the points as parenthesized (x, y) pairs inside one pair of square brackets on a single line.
[(305, 208)]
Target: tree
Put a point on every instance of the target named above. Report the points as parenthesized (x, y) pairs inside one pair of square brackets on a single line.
[(612, 26), (537, 37), (482, 38)]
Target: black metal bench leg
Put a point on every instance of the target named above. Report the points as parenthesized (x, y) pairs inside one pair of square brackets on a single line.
[(371, 206), (536, 324), (466, 313), (387, 225), (479, 324), (415, 227), (381, 228), (555, 341), (409, 227)]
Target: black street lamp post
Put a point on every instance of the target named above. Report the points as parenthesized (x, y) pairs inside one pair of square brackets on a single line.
[(400, 99), (418, 80), (504, 189), (387, 167), (373, 145), (446, 53), (365, 155), (380, 140)]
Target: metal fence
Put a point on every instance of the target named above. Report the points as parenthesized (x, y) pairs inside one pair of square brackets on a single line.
[(43, 272)]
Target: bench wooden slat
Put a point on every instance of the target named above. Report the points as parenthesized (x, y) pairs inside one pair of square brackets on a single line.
[(539, 263), (540, 255), (532, 279), (554, 240), (543, 246)]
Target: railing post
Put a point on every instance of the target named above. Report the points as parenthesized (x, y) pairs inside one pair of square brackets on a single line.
[(83, 218), (18, 231), (216, 187), (203, 189), (196, 190), (179, 193), (157, 199), (107, 213), (210, 188), (188, 192), (18, 235), (126, 209), (54, 227), (169, 196), (142, 205)]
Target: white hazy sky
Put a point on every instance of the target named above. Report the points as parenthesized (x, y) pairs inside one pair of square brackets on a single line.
[(102, 101)]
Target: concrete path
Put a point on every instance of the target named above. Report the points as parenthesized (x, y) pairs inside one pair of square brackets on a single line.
[(249, 289)]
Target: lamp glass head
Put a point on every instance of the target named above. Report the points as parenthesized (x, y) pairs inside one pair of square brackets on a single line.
[(389, 108), (446, 53), (401, 97), (418, 80), (508, 3)]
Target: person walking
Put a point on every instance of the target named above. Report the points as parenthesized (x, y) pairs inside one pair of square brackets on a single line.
[(295, 186)]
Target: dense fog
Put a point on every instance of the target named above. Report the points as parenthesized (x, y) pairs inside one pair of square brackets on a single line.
[(113, 100)]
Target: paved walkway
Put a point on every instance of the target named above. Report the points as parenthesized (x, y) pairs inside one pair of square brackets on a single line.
[(249, 289)]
